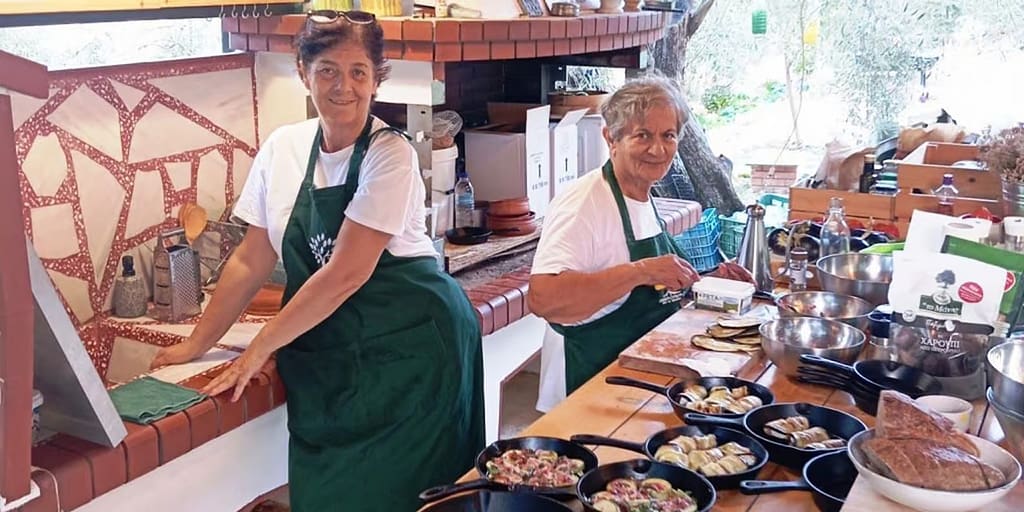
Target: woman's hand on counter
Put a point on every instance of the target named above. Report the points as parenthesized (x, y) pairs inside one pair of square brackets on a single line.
[(240, 372), (670, 271), (176, 354)]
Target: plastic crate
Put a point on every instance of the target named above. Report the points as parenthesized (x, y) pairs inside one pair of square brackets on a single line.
[(732, 233), (700, 243)]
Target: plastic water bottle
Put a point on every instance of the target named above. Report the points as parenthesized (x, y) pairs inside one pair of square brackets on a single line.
[(465, 203), (835, 233), (946, 195)]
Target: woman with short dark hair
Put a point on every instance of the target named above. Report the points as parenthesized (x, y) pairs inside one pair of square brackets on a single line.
[(379, 350)]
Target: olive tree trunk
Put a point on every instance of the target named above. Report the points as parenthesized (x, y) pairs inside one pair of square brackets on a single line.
[(710, 174)]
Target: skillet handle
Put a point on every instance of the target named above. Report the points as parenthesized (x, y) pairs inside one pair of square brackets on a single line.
[(765, 487), (607, 441), (443, 491), (694, 418), (626, 381), (822, 362)]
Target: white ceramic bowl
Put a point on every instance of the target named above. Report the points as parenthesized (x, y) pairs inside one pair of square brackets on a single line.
[(938, 501), (956, 409)]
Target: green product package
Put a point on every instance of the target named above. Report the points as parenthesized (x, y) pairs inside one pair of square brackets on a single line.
[(1010, 308)]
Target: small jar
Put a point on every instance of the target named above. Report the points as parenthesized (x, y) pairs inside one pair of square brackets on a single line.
[(797, 269)]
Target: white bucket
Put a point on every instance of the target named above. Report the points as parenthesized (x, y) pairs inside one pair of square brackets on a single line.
[(441, 205), (443, 173)]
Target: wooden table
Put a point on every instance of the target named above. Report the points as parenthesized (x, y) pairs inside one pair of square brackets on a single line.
[(634, 414)]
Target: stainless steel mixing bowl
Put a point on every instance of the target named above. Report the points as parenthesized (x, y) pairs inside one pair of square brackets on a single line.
[(847, 309), (1006, 374), (861, 275), (785, 339), (1012, 423)]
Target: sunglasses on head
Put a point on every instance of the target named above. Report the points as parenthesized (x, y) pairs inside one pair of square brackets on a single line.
[(329, 16)]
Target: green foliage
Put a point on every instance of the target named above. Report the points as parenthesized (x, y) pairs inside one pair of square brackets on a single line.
[(870, 51), (773, 91)]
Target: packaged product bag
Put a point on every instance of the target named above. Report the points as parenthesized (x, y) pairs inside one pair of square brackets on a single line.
[(944, 307), (1012, 262)]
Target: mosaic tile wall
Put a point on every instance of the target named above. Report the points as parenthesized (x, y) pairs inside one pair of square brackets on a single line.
[(109, 158)]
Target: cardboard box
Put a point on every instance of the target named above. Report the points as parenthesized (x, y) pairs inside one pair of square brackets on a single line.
[(565, 159), (510, 157), (593, 150)]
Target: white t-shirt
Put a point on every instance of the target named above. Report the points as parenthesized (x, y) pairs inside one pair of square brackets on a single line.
[(583, 232), (390, 196)]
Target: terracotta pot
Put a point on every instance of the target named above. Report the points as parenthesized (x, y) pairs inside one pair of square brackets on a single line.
[(267, 301), (509, 207), (512, 226)]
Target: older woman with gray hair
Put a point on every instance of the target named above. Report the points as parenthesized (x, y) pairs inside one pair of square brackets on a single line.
[(604, 258)]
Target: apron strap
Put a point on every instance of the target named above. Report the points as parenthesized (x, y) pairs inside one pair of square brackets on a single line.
[(609, 175)]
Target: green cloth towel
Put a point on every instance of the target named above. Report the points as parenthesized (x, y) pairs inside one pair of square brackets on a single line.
[(145, 400)]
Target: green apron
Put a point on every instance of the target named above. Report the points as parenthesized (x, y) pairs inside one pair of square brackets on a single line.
[(592, 346), (385, 396)]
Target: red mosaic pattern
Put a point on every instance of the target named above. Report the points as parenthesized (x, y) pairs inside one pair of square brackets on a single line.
[(98, 340)]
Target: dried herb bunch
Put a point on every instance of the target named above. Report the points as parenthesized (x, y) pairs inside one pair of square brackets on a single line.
[(1004, 153)]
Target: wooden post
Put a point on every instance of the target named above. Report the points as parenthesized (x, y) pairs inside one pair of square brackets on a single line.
[(16, 305)]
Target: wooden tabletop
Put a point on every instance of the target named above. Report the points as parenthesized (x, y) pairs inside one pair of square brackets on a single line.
[(634, 415)]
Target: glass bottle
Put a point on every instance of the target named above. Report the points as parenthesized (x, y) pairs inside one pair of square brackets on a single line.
[(835, 233), (867, 175), (798, 269), (465, 202), (946, 195), (130, 297)]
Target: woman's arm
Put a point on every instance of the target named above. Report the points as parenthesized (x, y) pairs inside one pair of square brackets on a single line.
[(358, 249), (572, 296), (244, 273)]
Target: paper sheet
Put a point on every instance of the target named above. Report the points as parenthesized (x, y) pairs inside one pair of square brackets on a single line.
[(181, 372)]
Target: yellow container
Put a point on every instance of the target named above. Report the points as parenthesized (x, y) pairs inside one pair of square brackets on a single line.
[(383, 7)]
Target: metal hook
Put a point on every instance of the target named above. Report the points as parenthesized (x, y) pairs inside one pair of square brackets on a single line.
[(244, 16), (234, 13), (255, 13), (266, 11), (222, 14)]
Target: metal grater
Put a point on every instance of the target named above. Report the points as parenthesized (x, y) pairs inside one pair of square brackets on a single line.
[(176, 285)]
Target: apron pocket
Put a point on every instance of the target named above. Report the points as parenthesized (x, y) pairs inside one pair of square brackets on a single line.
[(320, 385), (401, 374)]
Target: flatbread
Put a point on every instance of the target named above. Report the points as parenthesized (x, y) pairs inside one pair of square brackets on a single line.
[(747, 340), (738, 322), (717, 331), (717, 345)]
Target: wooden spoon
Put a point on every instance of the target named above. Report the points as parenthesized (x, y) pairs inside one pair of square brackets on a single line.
[(194, 222)]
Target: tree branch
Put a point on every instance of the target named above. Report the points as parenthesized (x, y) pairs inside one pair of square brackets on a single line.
[(696, 17)]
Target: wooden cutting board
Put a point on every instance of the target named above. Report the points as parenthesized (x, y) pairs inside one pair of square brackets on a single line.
[(666, 350)]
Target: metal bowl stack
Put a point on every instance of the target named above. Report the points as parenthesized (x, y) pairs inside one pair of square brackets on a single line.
[(847, 309), (785, 339), (861, 275), (1006, 396)]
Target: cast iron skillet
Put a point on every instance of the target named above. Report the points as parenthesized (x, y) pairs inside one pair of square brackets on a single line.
[(674, 391), (723, 435), (495, 449), (837, 423), (865, 399), (467, 236), (828, 476), (491, 501), (640, 469), (881, 375)]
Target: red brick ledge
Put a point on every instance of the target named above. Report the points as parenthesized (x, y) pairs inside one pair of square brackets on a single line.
[(81, 470), (451, 40)]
